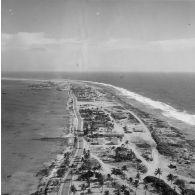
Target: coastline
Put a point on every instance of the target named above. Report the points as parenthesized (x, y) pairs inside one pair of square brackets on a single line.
[(166, 110), (106, 97), (164, 157), (186, 129)]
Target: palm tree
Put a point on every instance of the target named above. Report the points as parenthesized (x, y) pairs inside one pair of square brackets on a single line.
[(106, 192), (136, 184), (83, 187), (113, 171), (124, 168), (73, 189), (88, 182), (123, 188), (109, 178), (117, 192), (158, 172), (183, 191), (89, 191), (171, 178), (101, 183), (130, 182), (145, 187), (126, 192), (99, 167), (71, 173), (138, 176), (181, 185)]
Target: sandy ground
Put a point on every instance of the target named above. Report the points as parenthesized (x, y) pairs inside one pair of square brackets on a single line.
[(158, 160), (27, 116), (187, 130)]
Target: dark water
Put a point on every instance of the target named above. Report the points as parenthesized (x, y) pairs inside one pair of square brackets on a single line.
[(175, 89)]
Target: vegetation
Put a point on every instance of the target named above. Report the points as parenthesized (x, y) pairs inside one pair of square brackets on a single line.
[(117, 171), (106, 192), (73, 189), (145, 187), (136, 185), (89, 191), (83, 187), (123, 154), (124, 168), (96, 122), (101, 183), (171, 178), (123, 188), (160, 185), (60, 172), (158, 172)]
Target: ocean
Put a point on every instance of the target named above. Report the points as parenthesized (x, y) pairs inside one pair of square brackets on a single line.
[(173, 93), (28, 116)]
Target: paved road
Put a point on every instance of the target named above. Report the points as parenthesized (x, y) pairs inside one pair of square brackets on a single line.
[(65, 187)]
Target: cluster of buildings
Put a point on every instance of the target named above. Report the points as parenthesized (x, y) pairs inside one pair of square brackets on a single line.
[(97, 123), (98, 127), (85, 93)]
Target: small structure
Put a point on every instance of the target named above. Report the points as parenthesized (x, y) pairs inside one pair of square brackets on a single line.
[(115, 140), (172, 165), (138, 128), (71, 139), (102, 130), (100, 140)]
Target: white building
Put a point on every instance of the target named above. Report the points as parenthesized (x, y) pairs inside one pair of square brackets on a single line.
[(115, 140), (100, 140)]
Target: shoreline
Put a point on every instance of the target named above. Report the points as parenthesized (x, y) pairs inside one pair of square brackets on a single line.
[(114, 98), (153, 104), (167, 110), (110, 102)]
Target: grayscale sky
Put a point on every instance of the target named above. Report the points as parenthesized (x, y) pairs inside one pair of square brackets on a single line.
[(98, 35)]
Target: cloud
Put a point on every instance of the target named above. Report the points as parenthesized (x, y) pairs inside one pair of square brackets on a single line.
[(174, 45), (38, 51), (159, 45), (26, 41), (5, 38), (41, 42), (121, 44)]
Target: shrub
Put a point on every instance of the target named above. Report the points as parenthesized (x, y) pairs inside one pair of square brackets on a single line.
[(160, 185), (60, 172)]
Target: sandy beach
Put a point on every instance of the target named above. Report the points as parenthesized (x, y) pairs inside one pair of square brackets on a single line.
[(123, 139)]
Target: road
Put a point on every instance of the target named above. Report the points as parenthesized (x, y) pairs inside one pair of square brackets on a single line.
[(153, 165), (65, 187)]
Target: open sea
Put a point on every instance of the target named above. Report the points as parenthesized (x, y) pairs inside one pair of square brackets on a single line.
[(172, 93)]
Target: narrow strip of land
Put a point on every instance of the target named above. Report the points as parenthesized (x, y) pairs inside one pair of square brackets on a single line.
[(119, 149), (65, 187)]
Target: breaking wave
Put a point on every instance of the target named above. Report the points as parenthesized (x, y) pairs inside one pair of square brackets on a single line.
[(166, 109)]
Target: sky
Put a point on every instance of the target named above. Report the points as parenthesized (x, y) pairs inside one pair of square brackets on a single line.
[(98, 35)]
